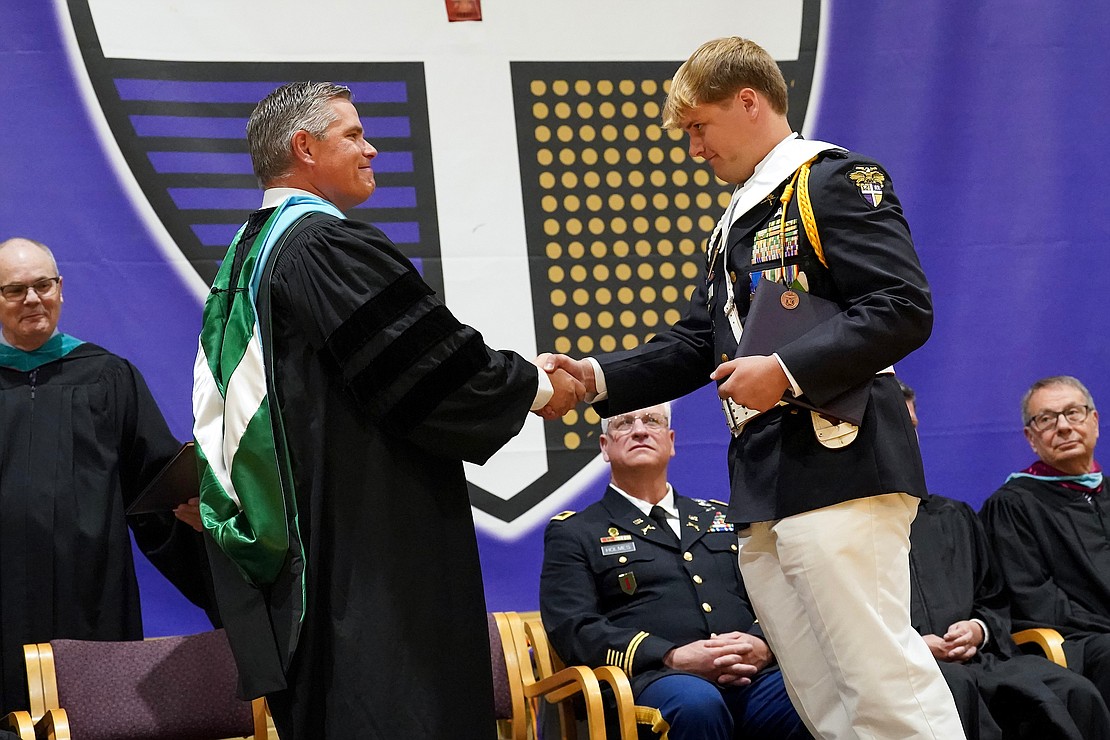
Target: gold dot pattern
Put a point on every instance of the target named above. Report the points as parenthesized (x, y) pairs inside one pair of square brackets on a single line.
[(616, 212)]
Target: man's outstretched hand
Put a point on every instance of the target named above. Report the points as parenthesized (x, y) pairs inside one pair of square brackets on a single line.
[(560, 368), (568, 391)]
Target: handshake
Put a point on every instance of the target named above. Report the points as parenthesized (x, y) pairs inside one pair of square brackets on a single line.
[(757, 382), (572, 380)]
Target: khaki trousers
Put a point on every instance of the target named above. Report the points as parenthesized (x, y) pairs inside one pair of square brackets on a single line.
[(831, 588)]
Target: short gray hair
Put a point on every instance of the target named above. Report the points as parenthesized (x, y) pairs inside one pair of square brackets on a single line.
[(1067, 380), (290, 108), (666, 413), (16, 239)]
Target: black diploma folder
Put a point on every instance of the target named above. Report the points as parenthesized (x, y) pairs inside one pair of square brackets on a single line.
[(176, 483), (771, 325)]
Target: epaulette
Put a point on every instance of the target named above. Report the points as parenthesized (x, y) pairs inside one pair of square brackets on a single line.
[(710, 503), (564, 515)]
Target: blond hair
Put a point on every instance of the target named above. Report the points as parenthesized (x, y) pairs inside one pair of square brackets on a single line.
[(716, 71)]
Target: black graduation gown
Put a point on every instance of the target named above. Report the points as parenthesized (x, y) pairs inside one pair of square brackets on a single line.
[(383, 395), (999, 693), (1053, 546), (81, 438)]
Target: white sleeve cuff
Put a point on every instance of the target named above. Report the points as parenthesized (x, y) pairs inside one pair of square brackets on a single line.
[(986, 632), (544, 390), (794, 387), (599, 381)]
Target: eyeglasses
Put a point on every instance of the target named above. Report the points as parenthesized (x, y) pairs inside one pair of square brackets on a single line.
[(14, 293), (621, 425), (1049, 419)]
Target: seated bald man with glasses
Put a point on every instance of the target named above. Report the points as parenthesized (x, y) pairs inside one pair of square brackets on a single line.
[(82, 437), (1049, 524), (648, 580)]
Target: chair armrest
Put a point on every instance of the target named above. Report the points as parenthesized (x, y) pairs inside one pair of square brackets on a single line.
[(549, 664), (626, 705), (1048, 640), (54, 725), (19, 723), (571, 681)]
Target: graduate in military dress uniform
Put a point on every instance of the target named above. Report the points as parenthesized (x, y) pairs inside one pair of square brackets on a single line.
[(647, 580), (823, 507)]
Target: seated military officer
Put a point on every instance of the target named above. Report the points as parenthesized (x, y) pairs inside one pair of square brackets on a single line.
[(648, 580)]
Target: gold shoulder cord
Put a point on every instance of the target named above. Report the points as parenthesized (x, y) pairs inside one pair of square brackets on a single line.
[(831, 433), (805, 207)]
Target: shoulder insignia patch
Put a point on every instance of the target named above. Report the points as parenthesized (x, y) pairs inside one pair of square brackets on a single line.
[(563, 515), (870, 181)]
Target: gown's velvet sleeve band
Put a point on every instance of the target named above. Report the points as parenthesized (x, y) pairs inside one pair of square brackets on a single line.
[(396, 358), (441, 381), (373, 316)]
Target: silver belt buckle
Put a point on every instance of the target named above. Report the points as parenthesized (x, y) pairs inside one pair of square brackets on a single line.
[(736, 416)]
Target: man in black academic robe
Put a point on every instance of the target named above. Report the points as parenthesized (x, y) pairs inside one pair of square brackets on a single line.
[(82, 436), (1049, 524), (375, 626), (955, 591)]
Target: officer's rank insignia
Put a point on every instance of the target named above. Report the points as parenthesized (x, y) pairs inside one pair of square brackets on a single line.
[(627, 582), (870, 181)]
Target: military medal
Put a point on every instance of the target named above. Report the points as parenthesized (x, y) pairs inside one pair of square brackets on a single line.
[(789, 300)]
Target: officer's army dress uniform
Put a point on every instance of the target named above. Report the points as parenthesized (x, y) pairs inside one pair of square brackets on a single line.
[(618, 589)]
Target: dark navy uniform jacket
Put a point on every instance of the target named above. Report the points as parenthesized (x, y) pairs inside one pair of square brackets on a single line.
[(777, 467), (616, 591)]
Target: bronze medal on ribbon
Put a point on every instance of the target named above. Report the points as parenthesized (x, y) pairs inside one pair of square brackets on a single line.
[(789, 300)]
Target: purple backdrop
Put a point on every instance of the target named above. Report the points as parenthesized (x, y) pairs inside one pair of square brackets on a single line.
[(988, 116)]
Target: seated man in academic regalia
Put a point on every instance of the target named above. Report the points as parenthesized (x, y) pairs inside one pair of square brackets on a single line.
[(1050, 527), (958, 603), (82, 436)]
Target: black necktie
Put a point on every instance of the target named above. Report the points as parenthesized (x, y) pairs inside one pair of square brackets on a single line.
[(660, 518)]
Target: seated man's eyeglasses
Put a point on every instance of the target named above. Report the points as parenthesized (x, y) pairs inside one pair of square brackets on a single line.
[(43, 289), (619, 425), (1049, 419)]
